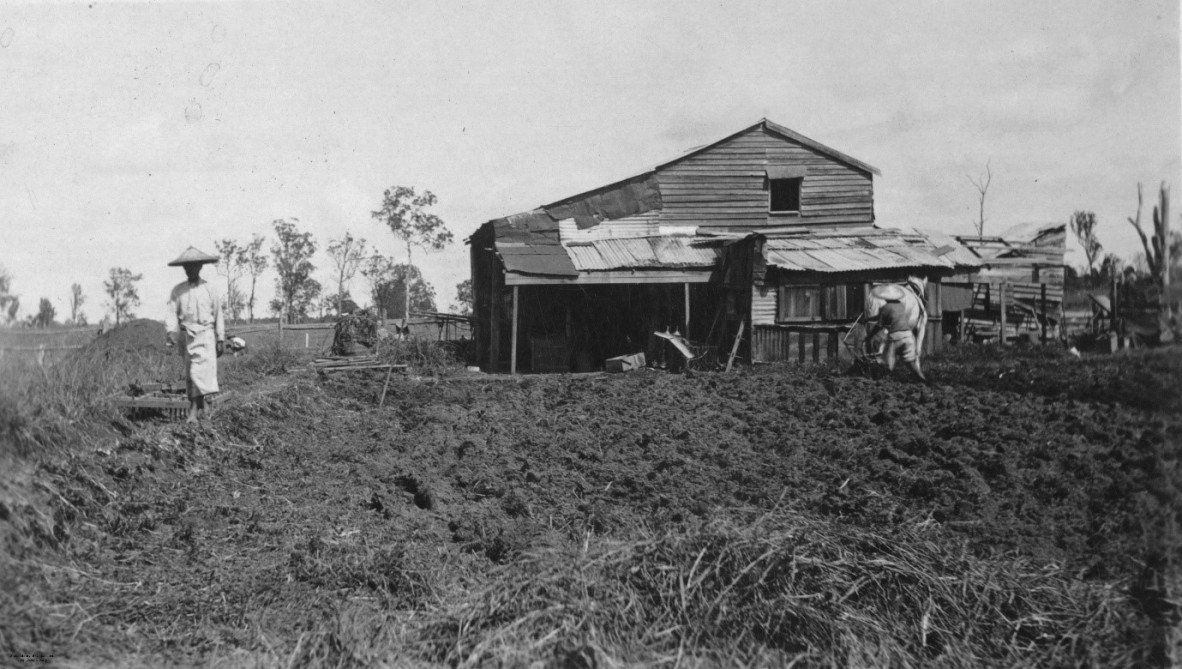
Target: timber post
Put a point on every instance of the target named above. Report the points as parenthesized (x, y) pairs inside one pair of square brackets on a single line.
[(1001, 298), (687, 310), (1042, 307), (513, 344), (1113, 296)]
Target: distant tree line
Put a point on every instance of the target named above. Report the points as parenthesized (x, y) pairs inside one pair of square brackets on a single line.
[(395, 289)]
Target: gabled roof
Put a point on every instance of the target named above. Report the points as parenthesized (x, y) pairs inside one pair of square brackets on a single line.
[(787, 133), (763, 123)]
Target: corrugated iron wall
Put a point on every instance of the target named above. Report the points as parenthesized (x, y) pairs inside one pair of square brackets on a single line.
[(763, 305)]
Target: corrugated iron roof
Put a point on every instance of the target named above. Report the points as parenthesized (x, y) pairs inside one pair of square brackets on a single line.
[(526, 258), (862, 250), (660, 252)]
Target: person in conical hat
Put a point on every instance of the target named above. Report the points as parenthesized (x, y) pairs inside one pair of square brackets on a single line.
[(195, 325)]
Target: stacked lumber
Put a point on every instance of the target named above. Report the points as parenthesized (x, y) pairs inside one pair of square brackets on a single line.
[(349, 363), (358, 362)]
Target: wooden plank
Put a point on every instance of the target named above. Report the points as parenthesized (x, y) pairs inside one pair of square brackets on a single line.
[(700, 188), (608, 278), (721, 177), (735, 347), (1043, 311), (1002, 297), (350, 368), (1020, 262)]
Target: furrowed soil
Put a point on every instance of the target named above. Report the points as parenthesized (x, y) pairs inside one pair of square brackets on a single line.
[(304, 517)]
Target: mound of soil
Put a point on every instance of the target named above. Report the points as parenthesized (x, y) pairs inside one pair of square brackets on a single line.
[(141, 336)]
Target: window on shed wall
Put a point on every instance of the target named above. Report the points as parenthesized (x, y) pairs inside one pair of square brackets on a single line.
[(784, 195), (834, 302)]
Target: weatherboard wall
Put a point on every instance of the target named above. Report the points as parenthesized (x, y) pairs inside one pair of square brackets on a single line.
[(726, 185)]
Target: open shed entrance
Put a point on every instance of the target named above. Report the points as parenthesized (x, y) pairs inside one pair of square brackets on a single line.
[(576, 328)]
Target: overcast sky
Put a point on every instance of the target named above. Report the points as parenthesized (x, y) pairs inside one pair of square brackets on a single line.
[(129, 131)]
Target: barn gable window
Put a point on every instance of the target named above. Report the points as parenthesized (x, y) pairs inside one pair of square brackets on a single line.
[(783, 187), (784, 196), (805, 303)]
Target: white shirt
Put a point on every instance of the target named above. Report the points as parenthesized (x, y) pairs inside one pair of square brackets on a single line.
[(195, 307)]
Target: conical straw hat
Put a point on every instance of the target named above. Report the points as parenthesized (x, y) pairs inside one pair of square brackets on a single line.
[(192, 255)]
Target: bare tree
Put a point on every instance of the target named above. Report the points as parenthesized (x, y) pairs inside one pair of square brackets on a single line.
[(1157, 251), (405, 213), (1156, 245), (77, 299), (347, 254), (1083, 225), (981, 183)]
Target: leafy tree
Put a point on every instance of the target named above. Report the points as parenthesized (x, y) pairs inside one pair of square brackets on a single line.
[(347, 255), (390, 282), (303, 301), (77, 299), (232, 266), (9, 303), (256, 263), (295, 288), (45, 314), (405, 213), (122, 292), (464, 297), (1083, 225)]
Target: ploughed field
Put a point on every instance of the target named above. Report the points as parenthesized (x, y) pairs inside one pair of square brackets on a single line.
[(1004, 515)]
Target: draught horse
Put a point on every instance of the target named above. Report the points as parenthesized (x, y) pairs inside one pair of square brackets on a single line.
[(911, 293)]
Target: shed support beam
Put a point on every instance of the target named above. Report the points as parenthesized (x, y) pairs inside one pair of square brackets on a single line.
[(513, 344), (687, 311), (1001, 293)]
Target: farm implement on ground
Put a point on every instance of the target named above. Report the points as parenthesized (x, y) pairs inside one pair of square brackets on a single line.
[(145, 400)]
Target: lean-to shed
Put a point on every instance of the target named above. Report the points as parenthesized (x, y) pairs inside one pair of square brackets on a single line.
[(799, 291), (1023, 269)]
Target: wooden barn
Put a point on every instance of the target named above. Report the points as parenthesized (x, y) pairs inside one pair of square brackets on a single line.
[(572, 283)]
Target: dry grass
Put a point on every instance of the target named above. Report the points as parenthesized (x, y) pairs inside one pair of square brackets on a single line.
[(779, 590)]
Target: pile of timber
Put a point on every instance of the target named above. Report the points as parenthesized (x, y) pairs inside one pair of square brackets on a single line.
[(354, 362), (357, 362)]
